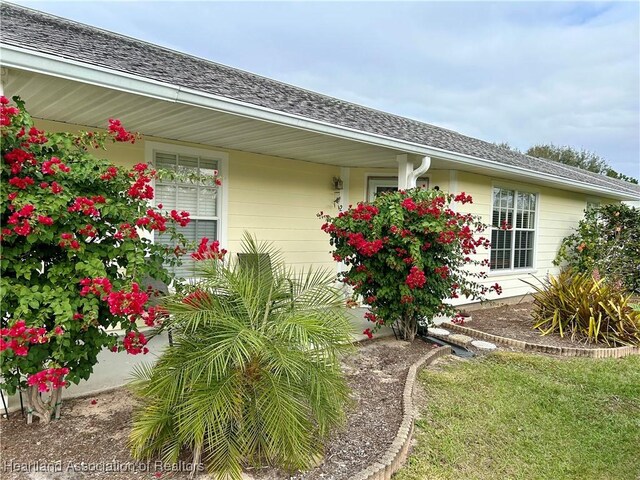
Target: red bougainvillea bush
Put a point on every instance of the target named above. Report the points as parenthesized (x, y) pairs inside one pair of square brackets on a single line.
[(75, 248), (407, 252)]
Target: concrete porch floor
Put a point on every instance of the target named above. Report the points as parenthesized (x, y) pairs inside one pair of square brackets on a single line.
[(115, 369)]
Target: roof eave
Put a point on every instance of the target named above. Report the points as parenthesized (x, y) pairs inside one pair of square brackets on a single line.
[(30, 60)]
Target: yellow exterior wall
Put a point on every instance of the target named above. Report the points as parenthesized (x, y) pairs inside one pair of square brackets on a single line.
[(558, 213), (277, 200), (274, 198)]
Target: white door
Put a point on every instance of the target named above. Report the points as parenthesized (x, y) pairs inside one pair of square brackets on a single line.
[(378, 185)]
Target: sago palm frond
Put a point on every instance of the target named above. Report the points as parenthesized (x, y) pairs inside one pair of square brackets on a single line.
[(254, 377)]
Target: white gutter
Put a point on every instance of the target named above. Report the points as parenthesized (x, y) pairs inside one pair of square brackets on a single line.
[(37, 62)]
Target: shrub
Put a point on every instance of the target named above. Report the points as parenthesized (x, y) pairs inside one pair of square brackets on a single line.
[(586, 307), (407, 253), (606, 239), (254, 376), (74, 252)]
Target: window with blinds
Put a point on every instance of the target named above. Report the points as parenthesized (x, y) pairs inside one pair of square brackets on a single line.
[(200, 199), (512, 229)]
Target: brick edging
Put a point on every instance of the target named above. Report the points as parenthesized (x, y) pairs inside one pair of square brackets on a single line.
[(396, 454), (613, 352)]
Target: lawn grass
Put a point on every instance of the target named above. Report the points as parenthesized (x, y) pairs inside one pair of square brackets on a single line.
[(517, 416)]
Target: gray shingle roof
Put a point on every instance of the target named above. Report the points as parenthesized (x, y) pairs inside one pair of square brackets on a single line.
[(71, 40)]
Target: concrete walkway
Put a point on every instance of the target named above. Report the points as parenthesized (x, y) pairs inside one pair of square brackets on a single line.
[(115, 369)]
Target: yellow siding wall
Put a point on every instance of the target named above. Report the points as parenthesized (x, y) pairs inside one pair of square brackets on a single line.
[(274, 198), (277, 199), (558, 213)]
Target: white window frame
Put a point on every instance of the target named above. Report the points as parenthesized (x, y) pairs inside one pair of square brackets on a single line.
[(516, 270), (223, 170), (372, 181), (592, 202)]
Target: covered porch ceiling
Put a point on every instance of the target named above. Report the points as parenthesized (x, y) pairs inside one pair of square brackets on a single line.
[(69, 101)]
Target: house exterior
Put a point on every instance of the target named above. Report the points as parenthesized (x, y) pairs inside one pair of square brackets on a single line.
[(284, 153)]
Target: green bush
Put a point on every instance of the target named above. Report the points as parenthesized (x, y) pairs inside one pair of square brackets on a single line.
[(407, 253), (607, 239), (586, 307), (254, 377), (75, 249)]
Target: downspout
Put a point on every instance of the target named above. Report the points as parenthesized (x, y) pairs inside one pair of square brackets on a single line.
[(407, 176), (413, 176)]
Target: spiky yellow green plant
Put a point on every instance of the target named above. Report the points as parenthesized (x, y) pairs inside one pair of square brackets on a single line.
[(254, 377), (587, 308)]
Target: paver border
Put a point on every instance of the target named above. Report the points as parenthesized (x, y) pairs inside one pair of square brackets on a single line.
[(396, 454), (613, 352)]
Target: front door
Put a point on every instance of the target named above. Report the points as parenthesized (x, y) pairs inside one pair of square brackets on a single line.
[(378, 185)]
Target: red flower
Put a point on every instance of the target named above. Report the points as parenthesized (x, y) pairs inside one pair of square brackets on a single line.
[(154, 221), (21, 183), (416, 278), (109, 174), (134, 343), (17, 158), (88, 231), (505, 226), (409, 204), (45, 220), (363, 247), (181, 218), (371, 317), (52, 377), (55, 188), (84, 205), (119, 133), (211, 252), (48, 166), (96, 286), (463, 198), (68, 240), (442, 271), (23, 229), (26, 211), (368, 333), (406, 299), (126, 303)]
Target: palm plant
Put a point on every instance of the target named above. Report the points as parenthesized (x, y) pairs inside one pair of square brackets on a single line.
[(254, 377)]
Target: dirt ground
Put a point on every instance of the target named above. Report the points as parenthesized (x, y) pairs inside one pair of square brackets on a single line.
[(515, 321), (89, 441)]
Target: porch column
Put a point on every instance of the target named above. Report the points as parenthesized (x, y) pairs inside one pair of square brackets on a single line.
[(407, 175)]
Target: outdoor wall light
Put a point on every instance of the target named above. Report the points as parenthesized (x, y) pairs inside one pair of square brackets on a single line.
[(338, 184)]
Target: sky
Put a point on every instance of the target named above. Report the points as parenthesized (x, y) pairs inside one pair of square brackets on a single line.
[(524, 73)]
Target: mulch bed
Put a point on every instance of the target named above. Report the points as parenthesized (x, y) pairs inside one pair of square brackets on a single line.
[(516, 322), (91, 436)]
